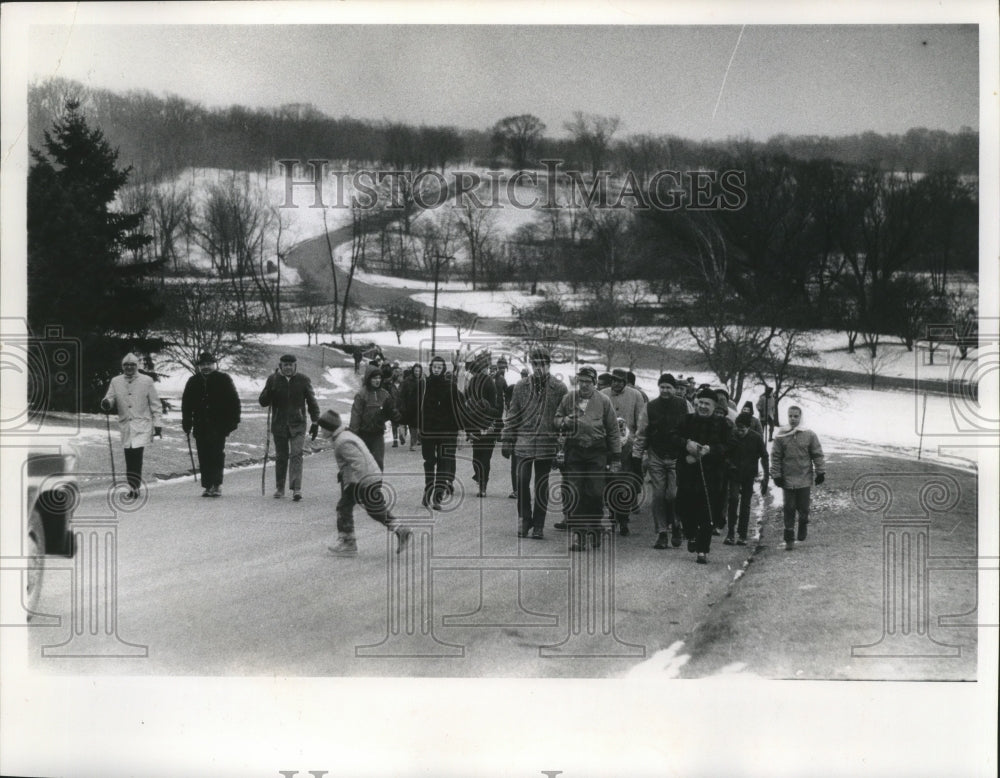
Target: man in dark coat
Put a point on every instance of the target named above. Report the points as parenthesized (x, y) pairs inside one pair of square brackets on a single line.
[(410, 392), (481, 419), (440, 408), (210, 407), (289, 395), (747, 448), (655, 444), (701, 445)]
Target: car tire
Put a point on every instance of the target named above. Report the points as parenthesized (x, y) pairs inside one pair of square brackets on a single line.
[(34, 550)]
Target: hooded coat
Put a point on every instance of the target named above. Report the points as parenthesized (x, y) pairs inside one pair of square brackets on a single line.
[(372, 407), (440, 406)]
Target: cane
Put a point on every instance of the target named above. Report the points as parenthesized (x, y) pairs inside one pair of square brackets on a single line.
[(708, 499), (194, 470), (111, 452), (267, 448)]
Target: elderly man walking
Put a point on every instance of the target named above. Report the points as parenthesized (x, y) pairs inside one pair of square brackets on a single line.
[(134, 397), (210, 407), (289, 394)]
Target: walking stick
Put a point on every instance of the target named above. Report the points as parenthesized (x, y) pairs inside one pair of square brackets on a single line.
[(111, 452), (267, 449), (194, 470), (708, 499), (923, 418)]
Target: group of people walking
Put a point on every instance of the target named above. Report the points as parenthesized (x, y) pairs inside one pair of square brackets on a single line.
[(604, 436)]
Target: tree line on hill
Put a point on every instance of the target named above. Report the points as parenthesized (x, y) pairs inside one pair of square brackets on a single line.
[(160, 136)]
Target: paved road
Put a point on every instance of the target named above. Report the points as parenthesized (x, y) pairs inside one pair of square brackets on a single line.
[(243, 585)]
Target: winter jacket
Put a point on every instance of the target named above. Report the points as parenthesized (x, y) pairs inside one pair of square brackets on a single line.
[(628, 404), (594, 427), (409, 399), (138, 406), (354, 461), (441, 407), (767, 407), (372, 407), (708, 431), (210, 405), (744, 453), (289, 398), (530, 422), (658, 423), (480, 407), (795, 455)]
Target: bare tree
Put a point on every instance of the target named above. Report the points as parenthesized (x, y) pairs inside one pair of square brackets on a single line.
[(437, 240), (874, 362), (402, 315), (477, 225), (518, 136), (592, 133)]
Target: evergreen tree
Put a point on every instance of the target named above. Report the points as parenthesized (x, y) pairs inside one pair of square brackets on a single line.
[(77, 239)]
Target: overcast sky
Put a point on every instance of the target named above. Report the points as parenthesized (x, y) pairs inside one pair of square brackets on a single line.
[(827, 79)]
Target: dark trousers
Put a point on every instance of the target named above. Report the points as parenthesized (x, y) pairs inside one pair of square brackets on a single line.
[(288, 458), (211, 457), (438, 452), (795, 500), (513, 476), (376, 445), (740, 494), (623, 489), (532, 512), (583, 477), (695, 510), (133, 467), (369, 496), (482, 455)]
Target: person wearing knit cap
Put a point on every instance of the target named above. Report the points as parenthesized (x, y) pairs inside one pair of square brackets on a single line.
[(747, 448), (592, 444), (440, 420), (289, 394), (656, 441), (210, 408), (133, 396), (701, 443), (360, 480), (603, 381), (529, 433), (755, 424)]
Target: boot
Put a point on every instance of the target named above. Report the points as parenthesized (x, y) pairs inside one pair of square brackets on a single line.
[(347, 545), (789, 539), (802, 529)]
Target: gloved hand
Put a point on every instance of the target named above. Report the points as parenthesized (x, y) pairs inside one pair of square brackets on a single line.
[(820, 478), (507, 448), (158, 432), (704, 451), (763, 487), (692, 448), (106, 405), (779, 482), (313, 431)]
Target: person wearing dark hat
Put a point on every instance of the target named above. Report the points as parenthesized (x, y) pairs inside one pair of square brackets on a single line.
[(701, 444), (747, 448), (628, 403), (755, 424), (656, 443), (630, 379), (593, 443), (290, 396), (210, 407), (440, 419), (603, 381), (372, 407), (360, 482), (480, 419), (529, 434), (133, 396)]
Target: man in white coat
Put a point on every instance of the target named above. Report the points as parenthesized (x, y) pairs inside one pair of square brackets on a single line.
[(133, 396)]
